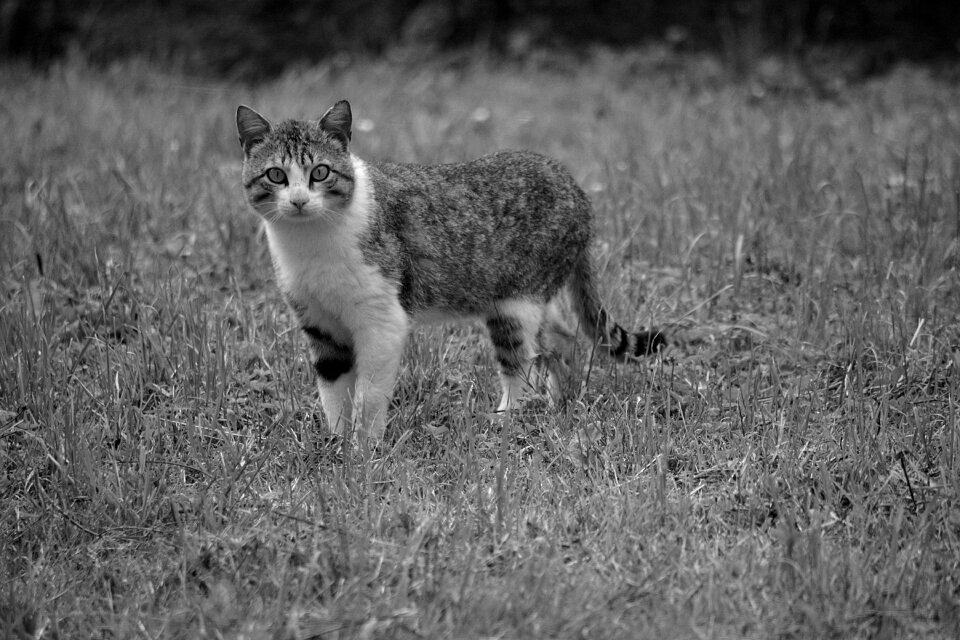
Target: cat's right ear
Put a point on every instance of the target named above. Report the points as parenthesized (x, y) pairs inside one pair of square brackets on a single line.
[(337, 122), (251, 126)]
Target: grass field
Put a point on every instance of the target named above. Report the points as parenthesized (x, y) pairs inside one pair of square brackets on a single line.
[(789, 468)]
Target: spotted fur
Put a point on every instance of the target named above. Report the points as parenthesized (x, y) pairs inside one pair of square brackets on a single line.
[(361, 250)]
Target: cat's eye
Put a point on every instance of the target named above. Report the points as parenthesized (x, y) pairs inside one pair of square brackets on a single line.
[(276, 175), (319, 173)]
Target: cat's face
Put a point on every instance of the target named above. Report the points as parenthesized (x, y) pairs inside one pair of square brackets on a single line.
[(297, 170)]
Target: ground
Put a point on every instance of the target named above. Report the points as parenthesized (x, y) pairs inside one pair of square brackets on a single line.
[(788, 468)]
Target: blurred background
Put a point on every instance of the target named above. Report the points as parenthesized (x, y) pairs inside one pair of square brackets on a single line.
[(253, 39)]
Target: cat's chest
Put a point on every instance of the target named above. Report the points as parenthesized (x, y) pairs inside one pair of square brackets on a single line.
[(322, 272)]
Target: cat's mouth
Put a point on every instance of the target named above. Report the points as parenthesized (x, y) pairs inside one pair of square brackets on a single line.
[(297, 214), (290, 213)]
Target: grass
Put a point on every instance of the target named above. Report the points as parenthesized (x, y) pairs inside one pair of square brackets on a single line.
[(790, 468)]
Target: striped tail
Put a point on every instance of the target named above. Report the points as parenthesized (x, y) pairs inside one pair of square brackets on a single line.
[(598, 325)]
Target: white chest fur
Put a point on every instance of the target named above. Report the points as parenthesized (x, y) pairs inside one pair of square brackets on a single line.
[(320, 267)]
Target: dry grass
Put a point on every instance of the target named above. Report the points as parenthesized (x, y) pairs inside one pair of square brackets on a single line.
[(789, 469)]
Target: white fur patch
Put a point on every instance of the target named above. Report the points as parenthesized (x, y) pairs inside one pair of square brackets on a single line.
[(319, 266)]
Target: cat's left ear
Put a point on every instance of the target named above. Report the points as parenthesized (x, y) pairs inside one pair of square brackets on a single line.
[(251, 126), (337, 121)]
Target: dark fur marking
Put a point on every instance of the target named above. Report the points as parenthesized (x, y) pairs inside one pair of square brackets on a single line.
[(332, 358), (509, 366), (623, 341), (504, 324), (330, 369), (317, 334), (506, 342), (649, 342), (506, 333)]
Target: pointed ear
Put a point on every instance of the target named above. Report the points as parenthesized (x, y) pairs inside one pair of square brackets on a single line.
[(337, 120), (251, 126)]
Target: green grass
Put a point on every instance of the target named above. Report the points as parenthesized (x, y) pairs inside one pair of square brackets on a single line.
[(790, 468)]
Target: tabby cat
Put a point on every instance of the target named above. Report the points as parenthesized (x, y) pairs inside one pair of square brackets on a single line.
[(362, 249)]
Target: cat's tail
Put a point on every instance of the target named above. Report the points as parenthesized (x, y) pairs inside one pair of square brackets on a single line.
[(597, 323)]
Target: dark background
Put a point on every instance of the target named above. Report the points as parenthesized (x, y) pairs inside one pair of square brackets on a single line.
[(251, 38)]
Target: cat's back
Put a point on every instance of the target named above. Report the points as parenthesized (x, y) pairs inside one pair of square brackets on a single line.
[(511, 166), (463, 234), (514, 185)]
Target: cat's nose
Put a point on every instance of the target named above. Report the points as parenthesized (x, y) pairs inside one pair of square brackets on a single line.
[(298, 199)]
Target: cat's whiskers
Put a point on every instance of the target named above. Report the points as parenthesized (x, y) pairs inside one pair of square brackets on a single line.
[(325, 213), (273, 214), (277, 213)]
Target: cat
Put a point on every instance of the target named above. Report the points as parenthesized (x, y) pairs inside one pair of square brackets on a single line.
[(363, 249)]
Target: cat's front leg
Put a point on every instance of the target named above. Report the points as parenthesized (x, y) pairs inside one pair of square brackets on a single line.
[(379, 345), (336, 397), (334, 362)]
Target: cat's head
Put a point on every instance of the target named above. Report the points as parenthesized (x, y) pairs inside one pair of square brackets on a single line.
[(297, 169)]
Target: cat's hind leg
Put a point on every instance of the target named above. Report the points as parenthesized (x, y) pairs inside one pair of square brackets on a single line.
[(556, 346), (513, 327)]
